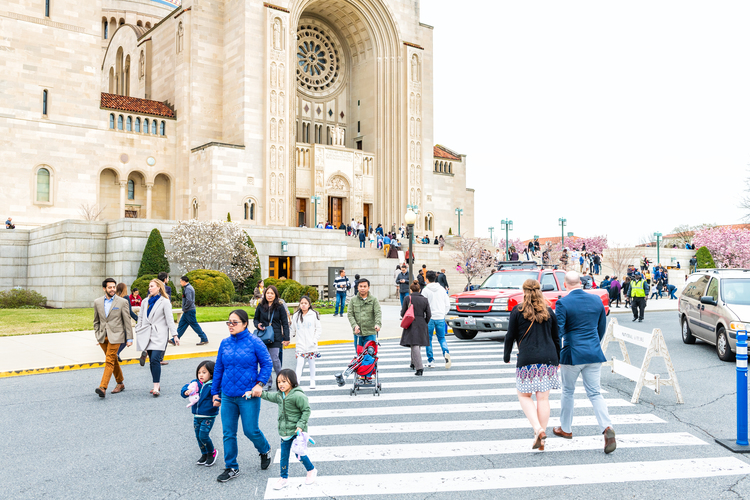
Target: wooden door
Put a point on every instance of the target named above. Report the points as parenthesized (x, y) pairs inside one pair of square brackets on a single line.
[(335, 211), (301, 212), (273, 267), (366, 216)]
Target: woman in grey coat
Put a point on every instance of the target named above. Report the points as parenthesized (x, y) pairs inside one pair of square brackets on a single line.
[(416, 335), (155, 326)]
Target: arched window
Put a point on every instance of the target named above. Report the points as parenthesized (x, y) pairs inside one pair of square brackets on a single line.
[(249, 210), (105, 28), (119, 122), (43, 185), (129, 124), (148, 26), (112, 121), (46, 8), (45, 95), (145, 125), (153, 127), (131, 189), (139, 23), (195, 208), (137, 124), (112, 84), (122, 21), (450, 167), (163, 128)]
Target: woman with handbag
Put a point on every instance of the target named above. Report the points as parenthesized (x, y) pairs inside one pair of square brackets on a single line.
[(533, 326), (415, 314), (272, 315)]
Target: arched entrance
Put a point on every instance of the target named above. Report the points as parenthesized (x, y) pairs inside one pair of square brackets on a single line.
[(338, 192), (161, 198), (109, 194)]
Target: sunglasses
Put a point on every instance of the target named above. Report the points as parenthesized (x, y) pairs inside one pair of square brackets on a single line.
[(234, 323)]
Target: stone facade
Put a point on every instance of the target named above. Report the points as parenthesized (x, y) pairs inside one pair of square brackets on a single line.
[(229, 109)]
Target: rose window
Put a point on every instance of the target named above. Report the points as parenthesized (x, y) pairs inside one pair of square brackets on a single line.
[(318, 65)]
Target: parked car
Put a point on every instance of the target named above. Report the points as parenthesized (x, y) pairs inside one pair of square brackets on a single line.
[(713, 306), (487, 307)]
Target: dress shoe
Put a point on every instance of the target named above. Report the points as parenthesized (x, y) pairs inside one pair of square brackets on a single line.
[(142, 359), (101, 392), (165, 362), (635, 319), (609, 440), (640, 321), (557, 431), (118, 388), (539, 438), (202, 342)]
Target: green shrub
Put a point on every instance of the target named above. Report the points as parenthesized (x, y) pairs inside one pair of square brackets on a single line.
[(251, 281), (154, 260), (311, 292), (211, 287), (19, 298), (142, 285), (229, 217), (292, 293), (705, 261), (284, 284), (270, 282)]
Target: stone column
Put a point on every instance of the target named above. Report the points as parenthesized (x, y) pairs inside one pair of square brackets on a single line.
[(123, 188), (148, 200)]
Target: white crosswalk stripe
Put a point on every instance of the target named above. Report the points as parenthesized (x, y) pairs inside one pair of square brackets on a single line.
[(472, 411)]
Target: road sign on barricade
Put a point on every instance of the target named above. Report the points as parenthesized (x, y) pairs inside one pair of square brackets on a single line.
[(655, 347)]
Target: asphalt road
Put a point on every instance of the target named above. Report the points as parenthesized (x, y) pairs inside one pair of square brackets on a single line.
[(62, 441)]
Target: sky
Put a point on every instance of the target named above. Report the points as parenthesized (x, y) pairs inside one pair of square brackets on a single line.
[(625, 118)]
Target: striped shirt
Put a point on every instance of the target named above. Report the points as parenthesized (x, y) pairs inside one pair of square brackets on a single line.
[(341, 283)]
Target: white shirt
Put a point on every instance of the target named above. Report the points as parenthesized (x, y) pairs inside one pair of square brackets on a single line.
[(438, 299)]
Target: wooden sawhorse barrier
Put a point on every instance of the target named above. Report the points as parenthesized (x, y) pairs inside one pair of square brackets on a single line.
[(655, 347)]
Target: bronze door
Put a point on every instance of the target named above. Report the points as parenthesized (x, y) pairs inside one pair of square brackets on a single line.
[(335, 209)]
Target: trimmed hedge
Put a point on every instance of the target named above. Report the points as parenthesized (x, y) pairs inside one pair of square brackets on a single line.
[(705, 260), (292, 293), (211, 287), (312, 292), (252, 281), (284, 284), (19, 298), (154, 260), (142, 285)]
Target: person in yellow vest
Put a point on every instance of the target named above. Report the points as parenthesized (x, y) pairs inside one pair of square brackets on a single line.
[(639, 289)]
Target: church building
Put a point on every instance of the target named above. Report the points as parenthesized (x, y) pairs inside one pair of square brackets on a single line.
[(289, 113)]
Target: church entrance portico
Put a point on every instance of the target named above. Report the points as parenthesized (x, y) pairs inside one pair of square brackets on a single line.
[(335, 211)]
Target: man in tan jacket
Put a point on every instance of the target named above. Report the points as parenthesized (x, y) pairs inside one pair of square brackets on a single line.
[(112, 327)]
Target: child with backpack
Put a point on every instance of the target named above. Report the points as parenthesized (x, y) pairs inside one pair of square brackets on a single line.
[(198, 391), (294, 411)]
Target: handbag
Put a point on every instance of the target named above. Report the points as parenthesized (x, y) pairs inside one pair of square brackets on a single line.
[(267, 336), (409, 316)]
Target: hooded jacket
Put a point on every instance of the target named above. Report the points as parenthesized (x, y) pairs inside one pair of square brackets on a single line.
[(204, 408), (294, 410), (307, 331), (438, 299)]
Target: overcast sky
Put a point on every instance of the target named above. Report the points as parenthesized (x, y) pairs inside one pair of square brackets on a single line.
[(623, 117)]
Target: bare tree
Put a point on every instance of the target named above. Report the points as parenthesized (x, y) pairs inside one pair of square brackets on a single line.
[(472, 259), (619, 257), (684, 233), (90, 212)]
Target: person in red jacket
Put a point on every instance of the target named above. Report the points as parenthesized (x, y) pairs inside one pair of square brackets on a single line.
[(135, 298)]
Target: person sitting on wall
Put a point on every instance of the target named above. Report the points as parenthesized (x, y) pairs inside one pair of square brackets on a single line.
[(9, 223)]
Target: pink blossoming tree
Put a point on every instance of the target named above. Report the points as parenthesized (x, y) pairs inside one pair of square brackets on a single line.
[(729, 247)]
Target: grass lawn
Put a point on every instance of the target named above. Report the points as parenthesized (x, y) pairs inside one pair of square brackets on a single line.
[(33, 321)]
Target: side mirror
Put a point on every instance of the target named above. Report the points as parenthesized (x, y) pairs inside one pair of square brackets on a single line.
[(548, 287), (707, 299)]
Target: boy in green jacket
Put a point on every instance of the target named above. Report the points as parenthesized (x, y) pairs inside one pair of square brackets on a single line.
[(364, 315)]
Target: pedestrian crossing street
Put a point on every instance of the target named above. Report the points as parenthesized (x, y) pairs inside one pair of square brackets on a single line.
[(462, 430)]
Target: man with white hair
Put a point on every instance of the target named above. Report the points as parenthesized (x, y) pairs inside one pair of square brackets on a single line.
[(582, 322)]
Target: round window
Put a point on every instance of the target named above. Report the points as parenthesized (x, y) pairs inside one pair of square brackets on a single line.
[(319, 62), (151, 161)]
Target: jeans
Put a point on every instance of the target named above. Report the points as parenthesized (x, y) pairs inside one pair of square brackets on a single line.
[(232, 410), (590, 373), (440, 328), (597, 268), (402, 296), (155, 358), (203, 428), (362, 340), (671, 293), (286, 448), (274, 353), (340, 302), (361, 243), (188, 319)]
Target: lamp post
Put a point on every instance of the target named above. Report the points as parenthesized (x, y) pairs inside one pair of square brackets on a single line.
[(562, 221), (459, 211), (415, 209), (506, 224), (658, 255), (491, 239), (410, 218), (315, 200)]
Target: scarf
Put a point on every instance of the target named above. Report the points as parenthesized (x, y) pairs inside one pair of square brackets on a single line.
[(151, 301)]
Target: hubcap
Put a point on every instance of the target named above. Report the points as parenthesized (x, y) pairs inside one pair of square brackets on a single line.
[(684, 330), (722, 344)]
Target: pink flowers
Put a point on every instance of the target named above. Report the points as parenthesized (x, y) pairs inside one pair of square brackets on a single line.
[(729, 247)]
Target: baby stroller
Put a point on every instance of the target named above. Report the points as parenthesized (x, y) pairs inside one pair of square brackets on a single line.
[(365, 370)]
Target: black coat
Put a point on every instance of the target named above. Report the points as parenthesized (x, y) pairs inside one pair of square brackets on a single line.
[(280, 323), (416, 334), (540, 346)]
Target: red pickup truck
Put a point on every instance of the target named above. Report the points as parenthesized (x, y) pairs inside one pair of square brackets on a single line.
[(487, 308)]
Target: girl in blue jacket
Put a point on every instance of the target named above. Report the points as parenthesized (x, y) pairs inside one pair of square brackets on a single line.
[(204, 412)]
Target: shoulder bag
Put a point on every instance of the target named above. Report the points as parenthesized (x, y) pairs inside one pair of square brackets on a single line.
[(527, 332), (266, 336), (409, 316)]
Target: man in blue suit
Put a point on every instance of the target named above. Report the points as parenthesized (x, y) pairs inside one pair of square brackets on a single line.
[(582, 322)]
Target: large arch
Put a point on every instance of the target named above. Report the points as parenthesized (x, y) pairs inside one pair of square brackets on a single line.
[(109, 193)]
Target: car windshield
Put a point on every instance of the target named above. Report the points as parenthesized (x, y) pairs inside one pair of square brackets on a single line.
[(736, 291), (512, 279)]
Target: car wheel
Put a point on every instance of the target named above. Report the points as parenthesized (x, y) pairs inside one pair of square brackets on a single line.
[(722, 346), (462, 334), (687, 335)]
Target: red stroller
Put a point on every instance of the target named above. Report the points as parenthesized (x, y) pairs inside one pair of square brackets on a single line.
[(365, 370)]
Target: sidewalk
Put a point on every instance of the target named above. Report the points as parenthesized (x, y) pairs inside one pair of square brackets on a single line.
[(652, 305), (54, 352)]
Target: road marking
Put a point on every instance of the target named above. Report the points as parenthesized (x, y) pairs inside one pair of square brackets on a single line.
[(499, 479), (473, 448), (452, 408), (400, 396), (443, 373), (345, 352), (404, 365), (426, 382), (470, 425), (439, 360)]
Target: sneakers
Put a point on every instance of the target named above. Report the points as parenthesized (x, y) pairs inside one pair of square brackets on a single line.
[(202, 460), (281, 483), (447, 361), (312, 385), (429, 364), (211, 459), (265, 459), (311, 476), (227, 475)]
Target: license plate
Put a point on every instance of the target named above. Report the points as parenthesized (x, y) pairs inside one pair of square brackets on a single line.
[(470, 321)]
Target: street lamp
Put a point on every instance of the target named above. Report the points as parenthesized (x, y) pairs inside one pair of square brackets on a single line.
[(415, 209), (658, 255), (410, 219), (315, 200), (562, 221), (459, 211), (506, 224), (491, 239)]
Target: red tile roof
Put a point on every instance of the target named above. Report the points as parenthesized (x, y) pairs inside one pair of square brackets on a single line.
[(552, 240), (443, 152), (136, 105)]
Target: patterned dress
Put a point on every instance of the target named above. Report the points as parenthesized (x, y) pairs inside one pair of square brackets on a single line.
[(537, 378)]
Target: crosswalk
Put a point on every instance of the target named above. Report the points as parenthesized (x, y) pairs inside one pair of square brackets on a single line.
[(462, 430)]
